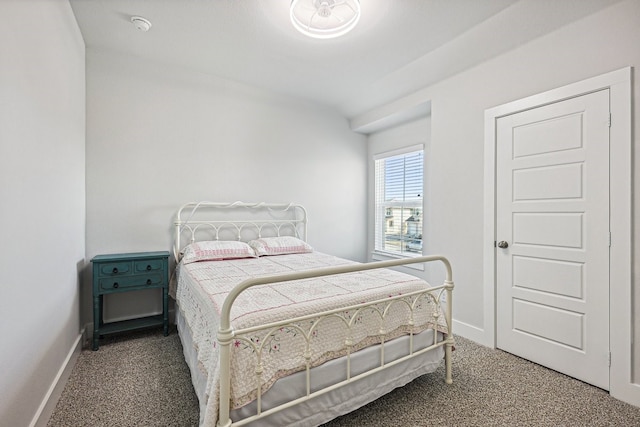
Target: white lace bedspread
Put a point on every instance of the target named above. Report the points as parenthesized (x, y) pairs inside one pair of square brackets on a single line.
[(202, 287)]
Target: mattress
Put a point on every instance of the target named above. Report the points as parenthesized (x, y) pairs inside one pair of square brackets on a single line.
[(202, 287)]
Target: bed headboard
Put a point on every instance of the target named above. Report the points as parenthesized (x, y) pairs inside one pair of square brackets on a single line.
[(198, 221)]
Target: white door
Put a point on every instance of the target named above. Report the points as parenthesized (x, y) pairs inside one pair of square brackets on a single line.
[(552, 196)]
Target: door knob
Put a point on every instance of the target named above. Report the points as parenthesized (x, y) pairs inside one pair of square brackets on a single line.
[(502, 244)]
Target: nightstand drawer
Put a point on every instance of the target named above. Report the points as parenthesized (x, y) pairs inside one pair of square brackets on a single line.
[(148, 265), (141, 281), (115, 268)]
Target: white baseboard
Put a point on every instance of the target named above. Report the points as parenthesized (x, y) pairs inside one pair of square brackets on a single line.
[(48, 405), (470, 332), (627, 392)]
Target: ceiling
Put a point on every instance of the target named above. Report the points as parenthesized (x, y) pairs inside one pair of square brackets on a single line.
[(398, 46)]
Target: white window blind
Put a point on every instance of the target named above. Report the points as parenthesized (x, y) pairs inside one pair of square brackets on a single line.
[(399, 184)]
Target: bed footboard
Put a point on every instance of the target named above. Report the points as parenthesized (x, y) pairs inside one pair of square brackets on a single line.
[(227, 335)]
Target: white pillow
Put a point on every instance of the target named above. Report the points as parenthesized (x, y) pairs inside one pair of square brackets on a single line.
[(216, 250), (279, 246)]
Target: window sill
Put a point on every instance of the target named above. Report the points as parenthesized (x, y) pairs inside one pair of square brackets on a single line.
[(385, 256)]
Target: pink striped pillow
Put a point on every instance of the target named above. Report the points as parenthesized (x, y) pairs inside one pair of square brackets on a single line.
[(279, 246), (216, 250)]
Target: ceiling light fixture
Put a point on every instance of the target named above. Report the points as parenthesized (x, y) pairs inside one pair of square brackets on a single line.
[(325, 19), (141, 23)]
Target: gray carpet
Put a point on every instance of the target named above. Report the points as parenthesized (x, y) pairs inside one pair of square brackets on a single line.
[(141, 379)]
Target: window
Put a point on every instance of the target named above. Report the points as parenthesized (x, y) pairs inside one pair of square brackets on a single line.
[(399, 202)]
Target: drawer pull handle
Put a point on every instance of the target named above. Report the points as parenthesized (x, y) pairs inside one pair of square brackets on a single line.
[(115, 270), (116, 285), (148, 281), (148, 267)]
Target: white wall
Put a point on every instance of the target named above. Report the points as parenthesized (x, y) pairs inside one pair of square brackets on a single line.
[(42, 199), (158, 137), (603, 42)]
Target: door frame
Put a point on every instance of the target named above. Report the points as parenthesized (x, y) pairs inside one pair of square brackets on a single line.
[(620, 192)]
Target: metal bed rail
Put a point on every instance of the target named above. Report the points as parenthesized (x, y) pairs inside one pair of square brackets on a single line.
[(226, 334)]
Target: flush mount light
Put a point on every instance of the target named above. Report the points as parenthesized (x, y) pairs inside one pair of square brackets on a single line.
[(141, 23), (325, 19)]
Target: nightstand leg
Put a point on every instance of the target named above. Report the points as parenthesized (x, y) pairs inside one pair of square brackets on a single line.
[(97, 317), (165, 310)]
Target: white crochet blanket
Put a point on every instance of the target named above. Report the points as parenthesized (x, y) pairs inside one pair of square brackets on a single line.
[(202, 287)]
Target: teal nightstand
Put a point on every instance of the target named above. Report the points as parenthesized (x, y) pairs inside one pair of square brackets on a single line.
[(118, 273)]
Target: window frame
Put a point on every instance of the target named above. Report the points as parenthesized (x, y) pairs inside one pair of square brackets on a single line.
[(381, 211)]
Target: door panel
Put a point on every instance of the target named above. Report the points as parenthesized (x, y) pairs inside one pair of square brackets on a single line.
[(567, 182), (548, 323), (549, 135), (548, 229), (553, 210), (557, 277)]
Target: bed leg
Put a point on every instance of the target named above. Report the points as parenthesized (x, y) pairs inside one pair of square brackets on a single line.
[(449, 318), (447, 359), (225, 337)]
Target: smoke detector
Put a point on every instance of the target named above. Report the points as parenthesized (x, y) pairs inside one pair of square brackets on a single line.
[(141, 23)]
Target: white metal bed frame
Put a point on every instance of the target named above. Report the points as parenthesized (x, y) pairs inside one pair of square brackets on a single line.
[(296, 225)]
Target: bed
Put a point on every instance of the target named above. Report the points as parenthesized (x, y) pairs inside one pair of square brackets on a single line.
[(276, 333)]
